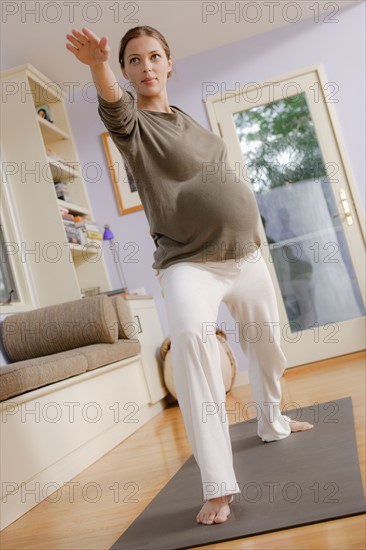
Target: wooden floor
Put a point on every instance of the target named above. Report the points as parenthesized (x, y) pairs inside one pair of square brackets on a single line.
[(111, 493)]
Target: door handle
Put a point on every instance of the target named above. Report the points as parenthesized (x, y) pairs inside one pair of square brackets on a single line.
[(346, 207)]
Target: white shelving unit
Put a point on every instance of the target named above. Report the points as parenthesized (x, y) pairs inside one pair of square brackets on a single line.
[(58, 269)]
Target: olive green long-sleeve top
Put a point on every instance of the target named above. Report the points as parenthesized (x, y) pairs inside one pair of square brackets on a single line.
[(197, 207)]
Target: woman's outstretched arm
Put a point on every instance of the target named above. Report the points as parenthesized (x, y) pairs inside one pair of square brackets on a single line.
[(92, 51)]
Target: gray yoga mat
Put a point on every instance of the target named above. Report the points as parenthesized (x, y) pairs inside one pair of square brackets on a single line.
[(308, 477)]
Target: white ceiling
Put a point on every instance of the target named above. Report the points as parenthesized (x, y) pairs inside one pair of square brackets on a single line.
[(39, 37)]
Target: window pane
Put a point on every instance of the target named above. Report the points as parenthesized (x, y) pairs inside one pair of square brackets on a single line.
[(298, 207)]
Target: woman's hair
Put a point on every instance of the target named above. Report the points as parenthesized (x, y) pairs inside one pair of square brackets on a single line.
[(142, 31)]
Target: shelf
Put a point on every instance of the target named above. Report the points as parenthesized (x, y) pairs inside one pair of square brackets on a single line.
[(62, 171), (50, 132), (51, 146), (43, 90), (74, 208), (84, 249)]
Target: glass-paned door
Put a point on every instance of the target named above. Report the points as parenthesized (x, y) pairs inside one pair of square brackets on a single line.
[(312, 236)]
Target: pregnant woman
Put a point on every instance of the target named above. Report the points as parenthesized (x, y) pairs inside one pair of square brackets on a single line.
[(204, 223)]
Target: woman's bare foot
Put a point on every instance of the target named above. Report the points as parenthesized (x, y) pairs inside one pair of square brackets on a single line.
[(215, 510), (297, 426)]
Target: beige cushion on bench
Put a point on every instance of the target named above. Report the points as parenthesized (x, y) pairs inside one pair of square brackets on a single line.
[(99, 355), (23, 376), (56, 342), (60, 327), (18, 378), (127, 327)]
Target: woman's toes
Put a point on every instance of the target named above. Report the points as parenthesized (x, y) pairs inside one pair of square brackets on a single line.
[(220, 517), (210, 518), (307, 426), (212, 512), (297, 426)]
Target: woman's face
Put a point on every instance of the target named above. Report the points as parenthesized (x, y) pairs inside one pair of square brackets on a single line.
[(146, 65)]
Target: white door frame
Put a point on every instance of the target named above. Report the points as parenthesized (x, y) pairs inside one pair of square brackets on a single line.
[(337, 338)]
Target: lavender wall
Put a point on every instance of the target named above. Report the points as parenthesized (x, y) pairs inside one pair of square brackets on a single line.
[(339, 47)]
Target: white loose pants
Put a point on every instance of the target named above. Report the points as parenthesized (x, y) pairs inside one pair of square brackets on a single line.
[(192, 293)]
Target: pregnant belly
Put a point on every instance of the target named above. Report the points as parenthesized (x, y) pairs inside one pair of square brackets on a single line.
[(228, 206)]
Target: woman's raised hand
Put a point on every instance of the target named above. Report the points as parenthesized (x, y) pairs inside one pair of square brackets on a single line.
[(87, 47)]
